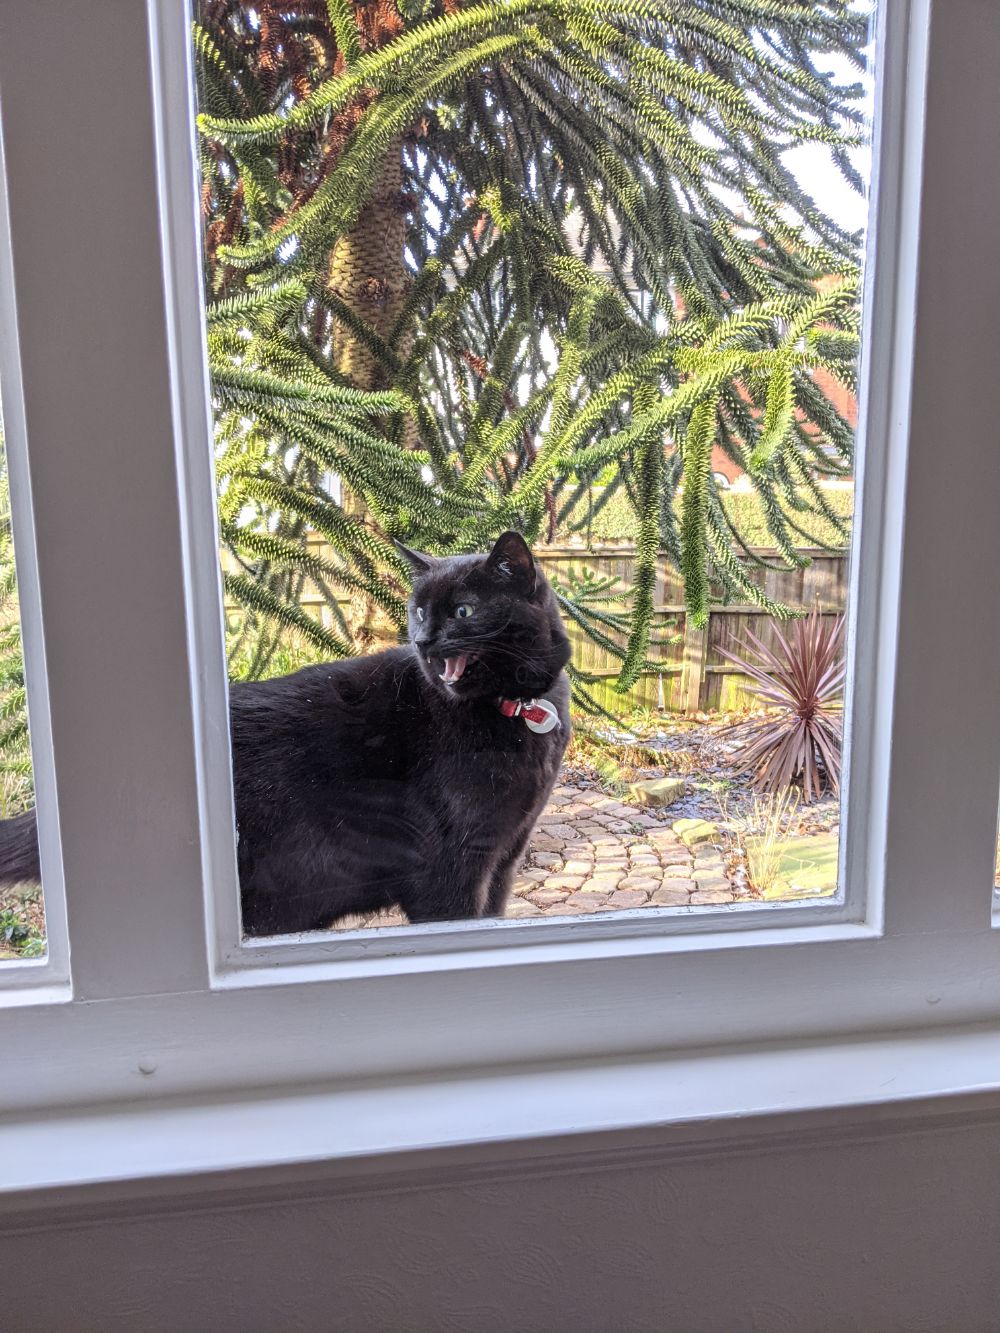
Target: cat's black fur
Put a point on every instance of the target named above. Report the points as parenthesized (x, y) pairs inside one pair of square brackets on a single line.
[(372, 783)]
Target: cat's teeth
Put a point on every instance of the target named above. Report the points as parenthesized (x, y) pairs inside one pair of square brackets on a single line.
[(453, 668)]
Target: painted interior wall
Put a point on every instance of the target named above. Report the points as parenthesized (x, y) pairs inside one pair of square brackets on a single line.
[(875, 1230)]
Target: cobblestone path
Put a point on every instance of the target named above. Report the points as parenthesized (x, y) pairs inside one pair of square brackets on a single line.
[(593, 853)]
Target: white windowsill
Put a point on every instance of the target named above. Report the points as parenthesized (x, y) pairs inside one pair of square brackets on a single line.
[(719, 1101)]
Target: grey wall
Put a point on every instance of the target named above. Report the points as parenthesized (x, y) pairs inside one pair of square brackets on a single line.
[(876, 1230)]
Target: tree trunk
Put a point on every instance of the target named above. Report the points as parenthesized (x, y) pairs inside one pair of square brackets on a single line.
[(368, 274)]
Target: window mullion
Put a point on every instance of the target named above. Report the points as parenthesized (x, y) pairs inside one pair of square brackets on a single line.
[(946, 731), (79, 137), (56, 965)]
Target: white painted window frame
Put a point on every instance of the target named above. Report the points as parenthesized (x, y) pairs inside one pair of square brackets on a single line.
[(108, 435), (36, 979)]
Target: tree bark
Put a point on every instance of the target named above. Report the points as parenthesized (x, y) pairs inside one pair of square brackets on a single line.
[(368, 274)]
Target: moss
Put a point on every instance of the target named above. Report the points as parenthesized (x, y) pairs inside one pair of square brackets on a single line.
[(807, 868)]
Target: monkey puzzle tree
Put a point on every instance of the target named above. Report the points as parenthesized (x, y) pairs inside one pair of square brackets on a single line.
[(405, 205)]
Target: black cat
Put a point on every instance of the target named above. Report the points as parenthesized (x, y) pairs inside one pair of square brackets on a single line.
[(410, 778)]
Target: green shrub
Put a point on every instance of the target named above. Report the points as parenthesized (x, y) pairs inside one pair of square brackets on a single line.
[(615, 520)]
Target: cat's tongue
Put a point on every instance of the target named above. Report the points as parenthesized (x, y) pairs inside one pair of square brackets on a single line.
[(453, 668)]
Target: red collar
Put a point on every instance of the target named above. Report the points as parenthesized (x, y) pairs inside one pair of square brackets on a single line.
[(539, 714)]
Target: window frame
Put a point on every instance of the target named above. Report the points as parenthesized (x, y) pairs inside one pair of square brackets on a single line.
[(872, 581), (163, 1001), (234, 957), (48, 976)]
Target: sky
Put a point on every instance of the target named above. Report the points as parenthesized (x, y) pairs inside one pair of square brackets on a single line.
[(816, 170), (818, 175)]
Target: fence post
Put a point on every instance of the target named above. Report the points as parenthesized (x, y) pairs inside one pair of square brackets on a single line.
[(693, 665)]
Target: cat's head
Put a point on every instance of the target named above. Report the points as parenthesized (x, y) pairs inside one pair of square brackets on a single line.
[(486, 625)]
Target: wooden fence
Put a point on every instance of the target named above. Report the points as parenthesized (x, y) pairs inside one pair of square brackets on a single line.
[(694, 676)]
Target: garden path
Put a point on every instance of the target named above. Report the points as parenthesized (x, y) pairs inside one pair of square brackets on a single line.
[(593, 853)]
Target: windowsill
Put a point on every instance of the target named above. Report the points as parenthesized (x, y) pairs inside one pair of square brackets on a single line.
[(455, 946), (30, 992), (306, 1139)]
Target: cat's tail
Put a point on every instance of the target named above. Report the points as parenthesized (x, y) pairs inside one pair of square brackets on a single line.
[(19, 850)]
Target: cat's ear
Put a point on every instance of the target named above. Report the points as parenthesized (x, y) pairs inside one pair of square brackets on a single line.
[(511, 562), (418, 562)]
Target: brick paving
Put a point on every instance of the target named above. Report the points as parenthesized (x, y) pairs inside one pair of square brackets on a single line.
[(593, 853)]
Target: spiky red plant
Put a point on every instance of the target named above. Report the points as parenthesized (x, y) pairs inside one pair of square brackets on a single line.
[(804, 679)]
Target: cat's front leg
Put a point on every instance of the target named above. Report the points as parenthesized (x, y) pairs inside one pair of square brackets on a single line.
[(454, 888), (503, 875)]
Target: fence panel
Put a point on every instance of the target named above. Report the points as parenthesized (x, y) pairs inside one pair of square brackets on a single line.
[(693, 676)]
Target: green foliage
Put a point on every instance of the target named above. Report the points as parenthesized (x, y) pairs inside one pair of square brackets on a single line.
[(18, 935), (598, 517), (249, 642), (16, 784), (745, 511), (551, 160), (602, 608)]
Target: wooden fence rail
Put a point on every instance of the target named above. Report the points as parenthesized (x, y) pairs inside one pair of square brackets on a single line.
[(693, 675)]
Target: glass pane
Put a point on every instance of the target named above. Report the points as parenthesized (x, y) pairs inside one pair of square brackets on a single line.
[(22, 912), (485, 279)]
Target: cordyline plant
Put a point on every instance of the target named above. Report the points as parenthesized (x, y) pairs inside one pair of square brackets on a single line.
[(466, 257), (804, 680)]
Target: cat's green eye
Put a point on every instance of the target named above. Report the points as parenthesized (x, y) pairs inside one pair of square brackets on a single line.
[(464, 610), (420, 613)]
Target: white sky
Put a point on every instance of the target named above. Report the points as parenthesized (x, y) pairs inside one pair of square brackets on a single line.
[(814, 167), (818, 175)]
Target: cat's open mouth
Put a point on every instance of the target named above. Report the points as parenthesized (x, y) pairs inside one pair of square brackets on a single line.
[(455, 668)]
